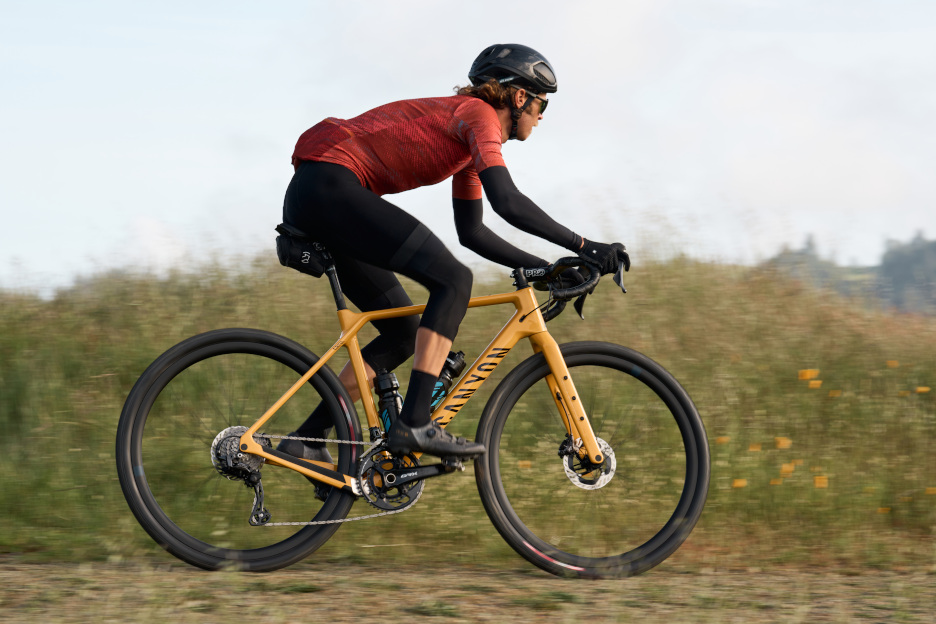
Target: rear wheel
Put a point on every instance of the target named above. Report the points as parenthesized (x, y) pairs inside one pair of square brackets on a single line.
[(169, 466), (567, 516)]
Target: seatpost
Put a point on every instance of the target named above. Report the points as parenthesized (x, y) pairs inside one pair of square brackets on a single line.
[(335, 286), (332, 274)]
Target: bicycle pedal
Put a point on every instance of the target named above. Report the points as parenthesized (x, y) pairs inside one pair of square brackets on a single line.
[(451, 464)]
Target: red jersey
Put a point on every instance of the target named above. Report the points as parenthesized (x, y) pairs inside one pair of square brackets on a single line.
[(412, 143)]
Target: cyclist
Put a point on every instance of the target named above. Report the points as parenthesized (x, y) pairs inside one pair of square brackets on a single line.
[(343, 168)]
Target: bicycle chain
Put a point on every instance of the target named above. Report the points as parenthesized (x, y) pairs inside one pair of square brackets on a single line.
[(360, 484)]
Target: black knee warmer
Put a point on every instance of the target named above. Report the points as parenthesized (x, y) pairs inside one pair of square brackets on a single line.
[(425, 259)]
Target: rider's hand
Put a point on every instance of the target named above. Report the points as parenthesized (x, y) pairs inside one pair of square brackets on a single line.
[(607, 257), (566, 279)]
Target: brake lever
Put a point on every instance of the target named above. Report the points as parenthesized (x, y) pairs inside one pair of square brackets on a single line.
[(618, 279), (579, 305)]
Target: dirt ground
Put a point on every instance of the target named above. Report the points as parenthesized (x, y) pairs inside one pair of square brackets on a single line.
[(333, 592)]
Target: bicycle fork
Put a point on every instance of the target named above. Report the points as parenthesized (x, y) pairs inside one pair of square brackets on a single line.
[(566, 397)]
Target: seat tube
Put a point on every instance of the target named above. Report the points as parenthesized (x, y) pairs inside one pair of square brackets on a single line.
[(350, 323), (566, 396)]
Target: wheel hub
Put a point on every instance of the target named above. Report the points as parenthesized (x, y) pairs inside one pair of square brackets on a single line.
[(229, 460)]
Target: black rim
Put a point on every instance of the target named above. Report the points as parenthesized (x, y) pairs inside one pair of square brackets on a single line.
[(544, 537), (200, 541)]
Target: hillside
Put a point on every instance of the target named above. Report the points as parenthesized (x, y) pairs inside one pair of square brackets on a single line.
[(820, 413)]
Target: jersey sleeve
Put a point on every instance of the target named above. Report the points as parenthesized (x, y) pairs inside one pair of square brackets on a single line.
[(466, 184), (478, 126)]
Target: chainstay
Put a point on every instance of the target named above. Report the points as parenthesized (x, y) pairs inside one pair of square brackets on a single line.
[(270, 436), (340, 520)]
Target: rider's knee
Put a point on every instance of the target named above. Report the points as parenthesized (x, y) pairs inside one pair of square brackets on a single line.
[(449, 298), (461, 282)]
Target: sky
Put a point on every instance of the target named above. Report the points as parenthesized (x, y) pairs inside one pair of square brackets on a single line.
[(146, 136)]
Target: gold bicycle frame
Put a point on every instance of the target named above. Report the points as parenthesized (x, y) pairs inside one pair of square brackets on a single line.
[(526, 322)]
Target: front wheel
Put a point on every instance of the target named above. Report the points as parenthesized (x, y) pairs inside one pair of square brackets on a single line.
[(571, 518), (206, 391)]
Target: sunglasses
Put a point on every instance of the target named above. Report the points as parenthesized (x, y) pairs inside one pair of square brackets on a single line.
[(543, 103)]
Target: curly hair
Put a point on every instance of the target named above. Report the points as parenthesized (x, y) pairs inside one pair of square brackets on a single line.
[(492, 92)]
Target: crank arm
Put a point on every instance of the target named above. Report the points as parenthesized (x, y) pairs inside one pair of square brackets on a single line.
[(398, 478)]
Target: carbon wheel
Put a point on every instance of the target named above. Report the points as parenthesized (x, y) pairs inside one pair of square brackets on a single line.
[(574, 519), (172, 449)]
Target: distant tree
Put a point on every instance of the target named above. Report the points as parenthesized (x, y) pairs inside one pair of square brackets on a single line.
[(908, 274), (809, 248), (805, 265)]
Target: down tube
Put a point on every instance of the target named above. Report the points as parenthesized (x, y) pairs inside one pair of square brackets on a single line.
[(516, 329)]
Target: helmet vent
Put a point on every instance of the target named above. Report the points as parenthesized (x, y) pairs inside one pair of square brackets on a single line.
[(542, 70)]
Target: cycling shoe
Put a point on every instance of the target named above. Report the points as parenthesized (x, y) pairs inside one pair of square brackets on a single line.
[(298, 448), (431, 439)]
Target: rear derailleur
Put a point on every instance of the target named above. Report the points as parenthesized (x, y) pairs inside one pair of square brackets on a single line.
[(235, 465)]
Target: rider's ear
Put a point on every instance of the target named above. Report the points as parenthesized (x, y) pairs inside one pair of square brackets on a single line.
[(518, 97)]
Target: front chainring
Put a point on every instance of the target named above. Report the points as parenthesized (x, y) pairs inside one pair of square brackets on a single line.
[(377, 474)]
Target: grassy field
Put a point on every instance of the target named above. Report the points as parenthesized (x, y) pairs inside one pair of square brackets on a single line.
[(819, 413)]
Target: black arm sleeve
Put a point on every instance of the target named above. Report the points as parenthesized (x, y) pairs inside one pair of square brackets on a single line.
[(476, 236), (519, 211)]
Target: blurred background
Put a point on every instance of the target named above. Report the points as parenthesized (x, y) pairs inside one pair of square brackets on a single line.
[(767, 164), (159, 135)]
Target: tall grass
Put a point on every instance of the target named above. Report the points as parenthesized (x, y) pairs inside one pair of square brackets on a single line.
[(818, 409)]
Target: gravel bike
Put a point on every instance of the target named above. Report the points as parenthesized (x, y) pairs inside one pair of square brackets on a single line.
[(603, 476)]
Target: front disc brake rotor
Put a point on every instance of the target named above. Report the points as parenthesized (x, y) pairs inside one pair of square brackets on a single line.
[(587, 475)]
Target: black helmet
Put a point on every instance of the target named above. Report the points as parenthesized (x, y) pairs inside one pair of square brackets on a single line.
[(512, 63)]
